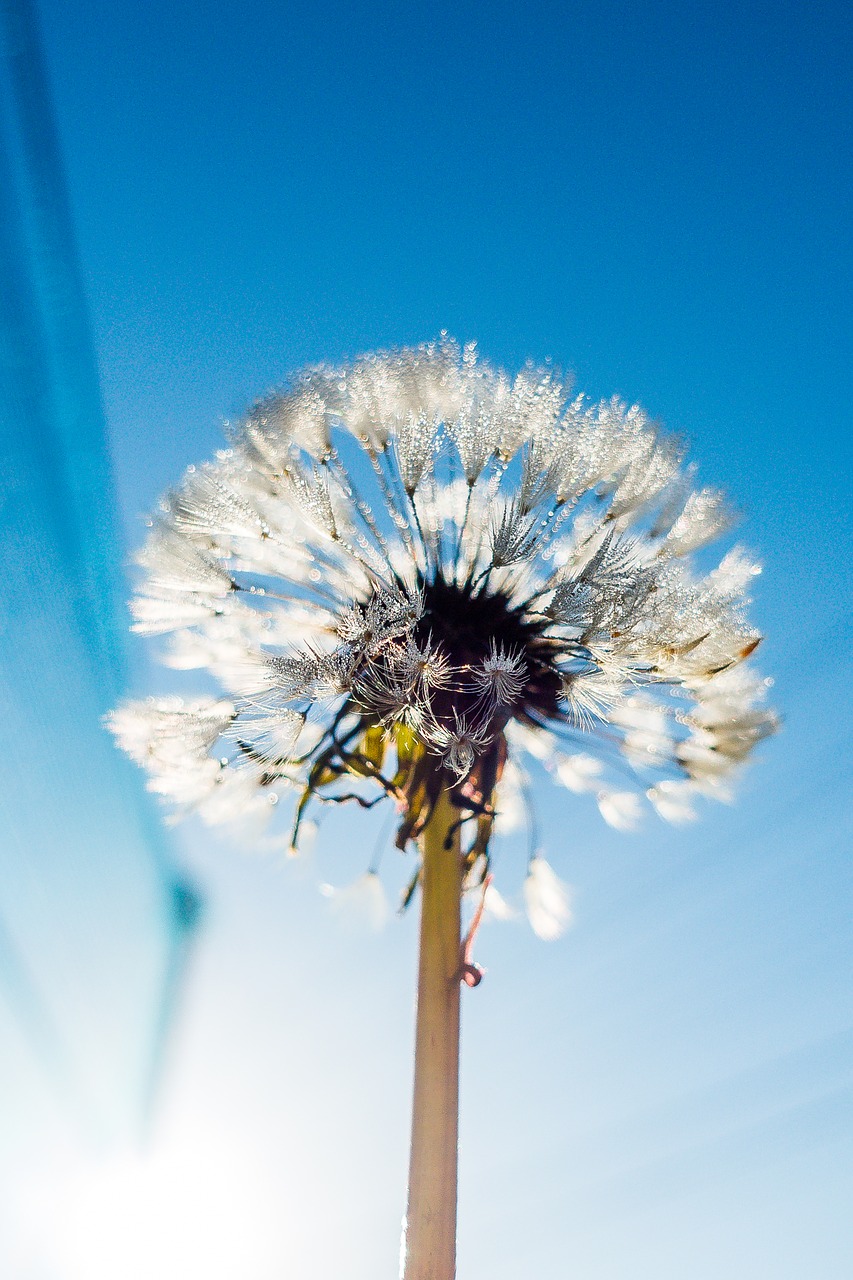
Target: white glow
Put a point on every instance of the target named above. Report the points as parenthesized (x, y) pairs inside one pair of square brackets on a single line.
[(196, 1205)]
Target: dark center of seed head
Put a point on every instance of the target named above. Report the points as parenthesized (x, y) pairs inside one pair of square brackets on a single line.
[(468, 623)]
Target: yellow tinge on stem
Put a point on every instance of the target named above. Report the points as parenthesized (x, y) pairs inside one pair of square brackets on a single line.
[(430, 1241)]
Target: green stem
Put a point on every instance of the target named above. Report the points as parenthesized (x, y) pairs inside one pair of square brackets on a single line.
[(430, 1239)]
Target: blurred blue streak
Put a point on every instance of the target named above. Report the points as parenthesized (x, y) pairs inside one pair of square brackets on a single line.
[(94, 919)]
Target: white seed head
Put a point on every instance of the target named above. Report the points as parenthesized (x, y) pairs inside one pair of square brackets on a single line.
[(418, 558)]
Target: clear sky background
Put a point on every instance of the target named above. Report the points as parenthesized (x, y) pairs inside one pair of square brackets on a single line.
[(657, 196)]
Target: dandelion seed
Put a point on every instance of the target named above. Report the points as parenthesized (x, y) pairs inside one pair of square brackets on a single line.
[(428, 664), (547, 900), (500, 677), (496, 906), (674, 801), (362, 902), (459, 745), (579, 772), (513, 536), (620, 809)]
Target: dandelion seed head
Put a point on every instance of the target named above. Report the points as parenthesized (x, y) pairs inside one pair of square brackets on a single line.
[(414, 569)]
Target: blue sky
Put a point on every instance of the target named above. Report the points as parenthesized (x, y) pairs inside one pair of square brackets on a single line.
[(657, 197)]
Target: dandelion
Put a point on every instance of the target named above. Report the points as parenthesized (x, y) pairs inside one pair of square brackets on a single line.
[(406, 575)]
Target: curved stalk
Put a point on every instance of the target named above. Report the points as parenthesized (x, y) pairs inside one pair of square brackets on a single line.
[(430, 1231)]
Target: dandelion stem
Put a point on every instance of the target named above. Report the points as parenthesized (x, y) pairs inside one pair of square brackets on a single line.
[(430, 1241)]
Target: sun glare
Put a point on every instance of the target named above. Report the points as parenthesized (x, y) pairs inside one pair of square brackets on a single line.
[(199, 1207)]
